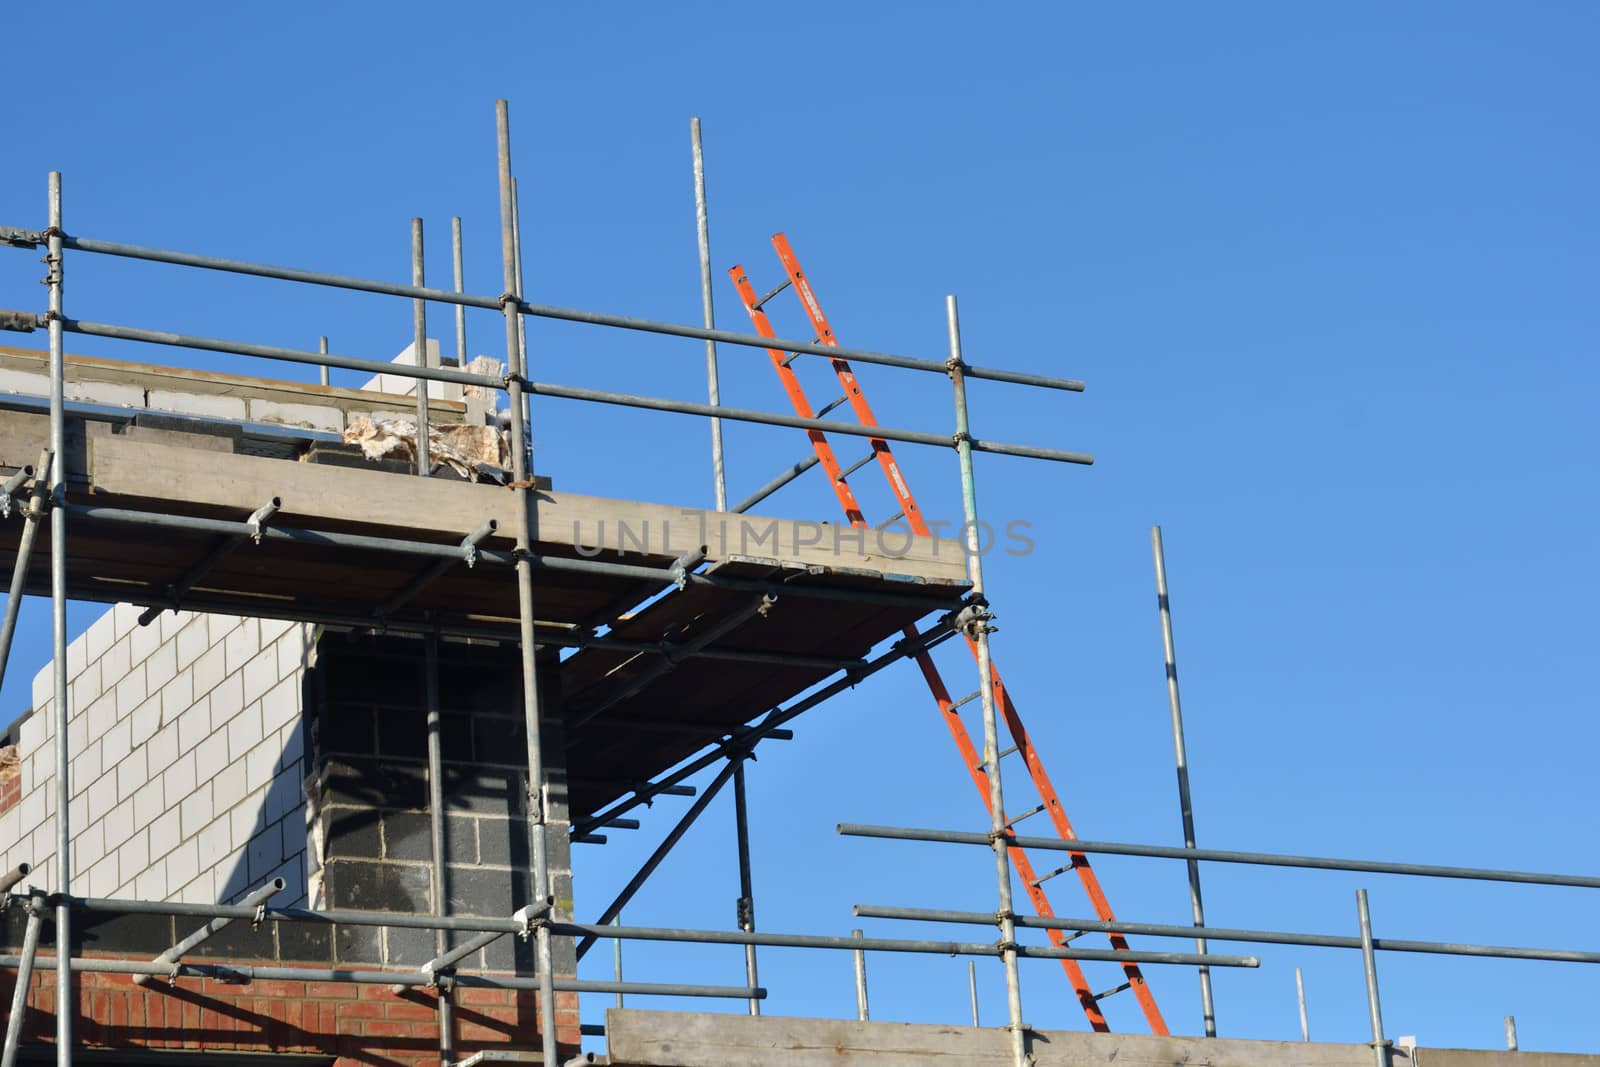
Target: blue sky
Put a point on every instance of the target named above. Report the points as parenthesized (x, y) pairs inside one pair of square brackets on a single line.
[(1327, 272)]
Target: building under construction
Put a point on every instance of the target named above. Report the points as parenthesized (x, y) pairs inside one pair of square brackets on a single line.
[(310, 787)]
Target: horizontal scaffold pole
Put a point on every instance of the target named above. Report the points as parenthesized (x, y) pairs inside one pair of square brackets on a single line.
[(229, 527), (1218, 855), (290, 355), (1216, 933), (889, 944), (565, 392), (242, 972), (546, 311)]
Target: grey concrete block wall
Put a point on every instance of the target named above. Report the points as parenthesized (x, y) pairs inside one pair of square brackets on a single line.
[(371, 846), (187, 760)]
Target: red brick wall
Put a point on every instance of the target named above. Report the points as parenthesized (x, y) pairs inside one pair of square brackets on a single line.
[(10, 778), (360, 1024)]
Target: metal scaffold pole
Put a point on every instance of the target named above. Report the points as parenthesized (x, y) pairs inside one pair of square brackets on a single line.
[(436, 835), (747, 900), (1300, 995), (65, 1004), (33, 513), (1380, 1047), (460, 279), (977, 626), (419, 328), (1181, 755), (19, 994), (713, 387), (524, 567)]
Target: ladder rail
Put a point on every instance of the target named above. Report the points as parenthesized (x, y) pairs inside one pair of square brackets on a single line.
[(862, 409), (1019, 859), (797, 397)]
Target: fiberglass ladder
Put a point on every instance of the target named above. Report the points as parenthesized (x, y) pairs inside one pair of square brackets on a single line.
[(949, 709)]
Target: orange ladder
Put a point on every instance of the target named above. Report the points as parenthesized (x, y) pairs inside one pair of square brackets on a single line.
[(949, 709)]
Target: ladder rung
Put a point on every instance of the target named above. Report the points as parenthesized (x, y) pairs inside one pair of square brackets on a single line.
[(969, 698), (891, 520), (792, 356), (1025, 815), (857, 465), (1043, 878), (781, 286), (984, 763), (1112, 991), (830, 407)]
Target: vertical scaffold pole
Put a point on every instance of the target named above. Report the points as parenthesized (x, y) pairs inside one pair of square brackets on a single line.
[(972, 988), (460, 276), (322, 371), (66, 1005), (436, 834), (1300, 993), (713, 387), (419, 328), (977, 625), (1180, 751), (1380, 1051), (747, 900), (530, 678), (863, 1011), (522, 324), (616, 956)]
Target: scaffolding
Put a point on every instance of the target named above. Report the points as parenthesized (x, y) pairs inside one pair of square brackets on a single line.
[(965, 615)]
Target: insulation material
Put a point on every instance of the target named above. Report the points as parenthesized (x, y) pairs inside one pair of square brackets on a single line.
[(478, 453)]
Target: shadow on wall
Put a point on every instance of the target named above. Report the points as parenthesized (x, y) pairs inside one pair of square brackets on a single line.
[(370, 845), (187, 759), (275, 830), (276, 840)]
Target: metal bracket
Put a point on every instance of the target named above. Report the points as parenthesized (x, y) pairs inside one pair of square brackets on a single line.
[(10, 486), (974, 617), (21, 321), (17, 237), (767, 600), (260, 517), (535, 918), (959, 438), (684, 566)]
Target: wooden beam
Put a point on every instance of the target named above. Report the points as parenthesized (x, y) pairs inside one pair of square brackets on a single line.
[(187, 480)]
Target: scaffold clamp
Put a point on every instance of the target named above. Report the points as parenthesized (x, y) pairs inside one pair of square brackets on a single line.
[(17, 237)]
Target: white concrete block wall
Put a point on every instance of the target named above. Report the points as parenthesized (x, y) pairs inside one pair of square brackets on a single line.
[(187, 752), (187, 769), (400, 385)]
